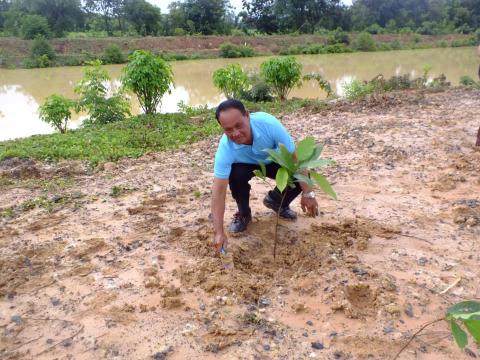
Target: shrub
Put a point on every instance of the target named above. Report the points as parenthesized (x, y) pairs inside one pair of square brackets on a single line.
[(338, 37), (322, 83), (375, 29), (260, 91), (468, 81), (34, 25), (149, 77), (365, 42), (357, 89), (113, 55), (56, 112), (94, 97), (229, 50), (282, 74), (231, 80), (179, 32)]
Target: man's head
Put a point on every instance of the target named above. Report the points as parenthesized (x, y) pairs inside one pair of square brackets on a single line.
[(235, 121)]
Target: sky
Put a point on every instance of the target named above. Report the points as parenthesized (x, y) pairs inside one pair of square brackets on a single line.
[(237, 4)]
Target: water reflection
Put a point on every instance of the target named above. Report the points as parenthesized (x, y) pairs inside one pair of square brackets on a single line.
[(23, 90), (19, 114)]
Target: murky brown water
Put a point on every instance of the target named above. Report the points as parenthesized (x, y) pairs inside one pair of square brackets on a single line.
[(21, 91)]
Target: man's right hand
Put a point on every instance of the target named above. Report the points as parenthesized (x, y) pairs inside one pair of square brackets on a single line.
[(220, 241)]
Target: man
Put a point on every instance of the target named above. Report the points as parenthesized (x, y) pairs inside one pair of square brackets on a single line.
[(239, 153)]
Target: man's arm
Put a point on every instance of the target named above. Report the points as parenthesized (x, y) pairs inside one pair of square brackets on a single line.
[(219, 192)]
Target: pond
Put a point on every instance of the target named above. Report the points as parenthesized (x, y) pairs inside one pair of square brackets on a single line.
[(23, 90)]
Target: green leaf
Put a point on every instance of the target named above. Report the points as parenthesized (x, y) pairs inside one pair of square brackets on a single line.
[(275, 157), (263, 168), (312, 164), (304, 179), (473, 327), (287, 158), (323, 184), (459, 335), (259, 174), (464, 310), (316, 152), (281, 179), (305, 148)]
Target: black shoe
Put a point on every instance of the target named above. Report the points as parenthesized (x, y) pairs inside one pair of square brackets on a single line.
[(239, 223), (285, 212)]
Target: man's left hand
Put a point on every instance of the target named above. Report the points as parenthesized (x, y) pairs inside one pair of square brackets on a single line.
[(310, 206)]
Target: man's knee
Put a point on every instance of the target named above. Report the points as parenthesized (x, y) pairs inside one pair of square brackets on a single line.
[(240, 173)]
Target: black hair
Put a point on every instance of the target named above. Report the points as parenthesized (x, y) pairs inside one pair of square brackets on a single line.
[(230, 104)]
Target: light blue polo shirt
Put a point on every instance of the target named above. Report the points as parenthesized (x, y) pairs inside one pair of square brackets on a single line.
[(268, 133)]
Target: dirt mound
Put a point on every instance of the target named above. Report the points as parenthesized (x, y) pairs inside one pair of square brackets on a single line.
[(255, 270)]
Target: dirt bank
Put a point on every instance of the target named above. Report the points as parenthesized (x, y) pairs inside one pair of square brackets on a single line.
[(15, 49), (116, 262)]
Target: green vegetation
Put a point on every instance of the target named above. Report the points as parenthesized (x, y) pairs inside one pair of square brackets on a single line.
[(365, 42), (113, 55), (282, 74), (298, 168), (460, 316), (109, 142), (56, 112), (149, 77), (316, 49), (469, 82), (94, 97), (259, 91), (42, 54), (231, 80), (359, 89), (322, 83), (229, 50), (33, 26)]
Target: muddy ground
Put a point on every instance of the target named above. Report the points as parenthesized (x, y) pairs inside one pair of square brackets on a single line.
[(117, 263)]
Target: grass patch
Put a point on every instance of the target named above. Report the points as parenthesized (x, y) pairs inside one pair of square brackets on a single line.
[(130, 138)]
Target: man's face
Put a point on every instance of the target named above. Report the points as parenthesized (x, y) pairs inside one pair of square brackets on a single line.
[(236, 126)]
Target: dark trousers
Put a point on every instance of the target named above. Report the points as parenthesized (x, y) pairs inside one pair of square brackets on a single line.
[(240, 188)]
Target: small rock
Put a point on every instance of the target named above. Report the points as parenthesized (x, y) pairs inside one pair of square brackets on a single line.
[(266, 347), (470, 353), (202, 307), (422, 261), (67, 342), (251, 307), (333, 334), (471, 221), (317, 345), (393, 309), (55, 301), (17, 319), (264, 302), (409, 310), (310, 323), (305, 334), (359, 271), (389, 328)]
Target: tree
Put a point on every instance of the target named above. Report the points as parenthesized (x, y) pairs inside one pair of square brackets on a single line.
[(62, 15), (144, 16), (149, 77), (282, 74), (56, 111), (35, 25), (231, 80), (95, 99), (260, 15), (106, 8)]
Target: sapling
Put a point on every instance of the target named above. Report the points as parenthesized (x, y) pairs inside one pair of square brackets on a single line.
[(296, 168), (464, 314)]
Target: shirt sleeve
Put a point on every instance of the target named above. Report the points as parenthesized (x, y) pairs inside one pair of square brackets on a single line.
[(223, 163), (281, 136)]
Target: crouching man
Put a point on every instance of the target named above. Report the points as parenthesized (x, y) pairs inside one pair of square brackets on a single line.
[(239, 153)]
